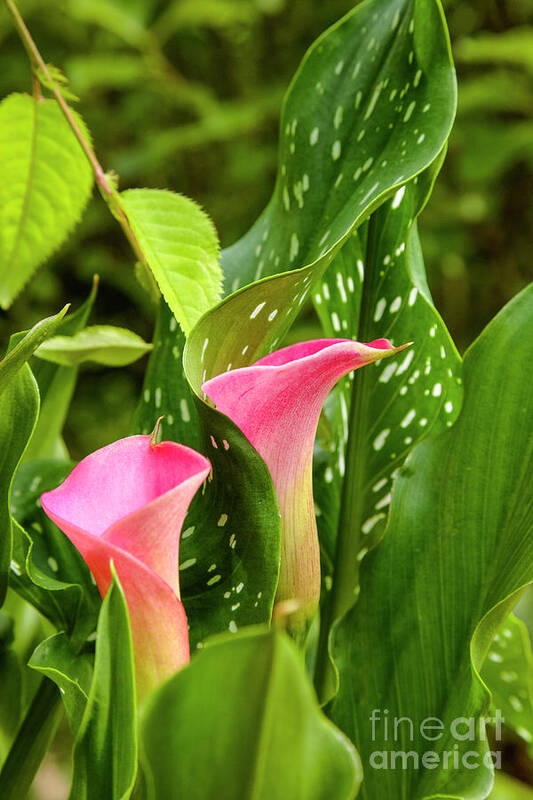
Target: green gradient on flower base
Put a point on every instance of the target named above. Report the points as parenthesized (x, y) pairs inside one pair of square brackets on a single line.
[(276, 402), (126, 503)]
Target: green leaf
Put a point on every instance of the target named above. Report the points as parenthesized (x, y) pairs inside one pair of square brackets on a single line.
[(370, 107), (242, 722), (230, 545), (104, 344), (180, 245), (22, 346), (376, 287), (46, 568), (508, 673), (459, 547), (19, 406), (32, 742), (105, 750), (46, 182), (56, 387), (71, 671), (506, 788), (306, 232)]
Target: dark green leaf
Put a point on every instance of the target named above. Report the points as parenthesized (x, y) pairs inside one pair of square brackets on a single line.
[(376, 287), (459, 547), (105, 751)]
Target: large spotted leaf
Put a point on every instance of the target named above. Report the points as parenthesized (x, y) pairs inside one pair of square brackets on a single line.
[(370, 106), (350, 80), (458, 550), (376, 286), (508, 673)]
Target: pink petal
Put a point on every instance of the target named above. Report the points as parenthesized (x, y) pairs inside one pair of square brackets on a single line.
[(135, 495), (276, 402)]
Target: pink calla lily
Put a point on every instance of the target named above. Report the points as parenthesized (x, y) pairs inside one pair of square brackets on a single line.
[(126, 503), (276, 402)]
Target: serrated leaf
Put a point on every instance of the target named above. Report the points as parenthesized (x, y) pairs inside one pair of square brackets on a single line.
[(104, 344), (180, 245), (242, 722), (46, 183), (107, 735), (508, 673), (459, 548)]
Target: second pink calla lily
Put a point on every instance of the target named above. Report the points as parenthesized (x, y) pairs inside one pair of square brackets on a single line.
[(276, 402), (126, 503)]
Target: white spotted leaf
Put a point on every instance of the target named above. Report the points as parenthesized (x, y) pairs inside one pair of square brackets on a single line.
[(46, 182), (458, 551), (508, 673), (370, 106), (386, 39), (376, 287)]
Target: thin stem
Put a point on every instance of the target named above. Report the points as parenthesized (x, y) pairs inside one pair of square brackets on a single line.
[(32, 741), (348, 544), (107, 190)]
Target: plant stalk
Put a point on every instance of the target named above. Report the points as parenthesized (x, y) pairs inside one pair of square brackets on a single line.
[(32, 741), (344, 589), (107, 190)]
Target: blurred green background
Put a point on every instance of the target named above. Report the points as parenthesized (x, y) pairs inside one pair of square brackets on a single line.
[(186, 95)]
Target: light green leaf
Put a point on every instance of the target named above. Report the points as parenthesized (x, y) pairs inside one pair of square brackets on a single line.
[(22, 346), (506, 788), (105, 750), (46, 182), (458, 549), (508, 672), (104, 344), (242, 722), (56, 387), (71, 671), (180, 245)]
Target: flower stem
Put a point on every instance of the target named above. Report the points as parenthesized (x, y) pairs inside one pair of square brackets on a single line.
[(107, 190), (31, 742)]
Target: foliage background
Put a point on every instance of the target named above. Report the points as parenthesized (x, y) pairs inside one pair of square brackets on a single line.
[(186, 94)]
